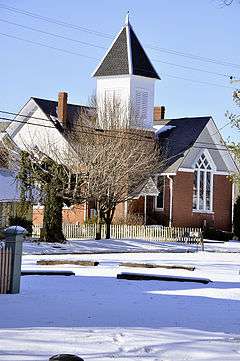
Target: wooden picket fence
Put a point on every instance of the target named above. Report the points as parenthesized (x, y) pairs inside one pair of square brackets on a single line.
[(156, 233), (5, 267)]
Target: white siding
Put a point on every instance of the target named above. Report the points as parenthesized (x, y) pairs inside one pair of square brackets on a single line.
[(35, 135), (134, 91)]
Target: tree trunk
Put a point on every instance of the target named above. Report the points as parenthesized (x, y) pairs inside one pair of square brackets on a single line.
[(108, 220), (108, 230), (52, 220), (99, 223)]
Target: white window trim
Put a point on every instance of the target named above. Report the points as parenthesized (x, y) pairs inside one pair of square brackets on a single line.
[(155, 205), (209, 158), (205, 171), (191, 170)]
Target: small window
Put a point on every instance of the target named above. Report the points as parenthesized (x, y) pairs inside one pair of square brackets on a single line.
[(160, 197)]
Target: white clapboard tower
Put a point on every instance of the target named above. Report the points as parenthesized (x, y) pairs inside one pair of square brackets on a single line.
[(126, 74)]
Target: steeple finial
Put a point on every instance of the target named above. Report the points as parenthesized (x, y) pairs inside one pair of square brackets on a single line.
[(127, 19)]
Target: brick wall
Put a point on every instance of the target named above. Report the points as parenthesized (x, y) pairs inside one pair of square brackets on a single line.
[(74, 215), (222, 202), (183, 215)]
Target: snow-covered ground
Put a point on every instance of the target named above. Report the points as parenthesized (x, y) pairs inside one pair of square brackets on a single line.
[(125, 245), (100, 317)]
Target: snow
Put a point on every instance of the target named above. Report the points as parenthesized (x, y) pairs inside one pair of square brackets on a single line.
[(106, 246), (16, 230), (163, 128), (125, 245), (100, 317)]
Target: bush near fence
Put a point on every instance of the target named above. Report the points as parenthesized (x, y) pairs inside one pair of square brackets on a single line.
[(156, 233)]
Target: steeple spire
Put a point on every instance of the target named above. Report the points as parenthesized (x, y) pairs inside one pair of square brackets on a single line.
[(126, 56), (127, 19)]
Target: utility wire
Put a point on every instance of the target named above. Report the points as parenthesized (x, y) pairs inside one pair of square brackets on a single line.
[(105, 48), (53, 34), (55, 21), (88, 127), (84, 126), (101, 132), (108, 36), (194, 57), (93, 58), (197, 81), (192, 68), (48, 46)]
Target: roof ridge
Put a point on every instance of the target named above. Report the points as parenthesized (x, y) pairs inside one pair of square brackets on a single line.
[(55, 101)]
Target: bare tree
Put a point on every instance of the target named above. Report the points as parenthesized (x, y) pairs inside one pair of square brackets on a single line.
[(118, 159), (107, 161)]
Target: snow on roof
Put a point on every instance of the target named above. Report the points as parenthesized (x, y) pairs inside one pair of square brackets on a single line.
[(163, 128)]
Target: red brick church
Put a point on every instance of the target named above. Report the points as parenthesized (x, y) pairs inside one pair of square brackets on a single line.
[(194, 188)]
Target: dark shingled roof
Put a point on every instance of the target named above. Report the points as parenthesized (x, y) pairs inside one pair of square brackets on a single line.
[(116, 62), (179, 139), (140, 61), (49, 107)]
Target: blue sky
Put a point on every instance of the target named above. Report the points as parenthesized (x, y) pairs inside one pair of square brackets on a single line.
[(200, 27)]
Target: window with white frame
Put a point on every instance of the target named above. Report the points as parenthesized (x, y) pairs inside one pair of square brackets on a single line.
[(159, 198), (203, 185)]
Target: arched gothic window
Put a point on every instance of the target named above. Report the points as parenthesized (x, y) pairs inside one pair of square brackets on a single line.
[(203, 184)]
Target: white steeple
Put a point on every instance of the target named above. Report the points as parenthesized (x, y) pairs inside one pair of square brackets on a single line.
[(127, 73), (127, 19)]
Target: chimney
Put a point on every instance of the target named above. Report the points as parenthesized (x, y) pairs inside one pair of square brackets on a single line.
[(159, 113), (62, 108)]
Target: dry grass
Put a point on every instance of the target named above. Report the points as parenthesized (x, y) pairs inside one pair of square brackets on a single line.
[(57, 262), (149, 265)]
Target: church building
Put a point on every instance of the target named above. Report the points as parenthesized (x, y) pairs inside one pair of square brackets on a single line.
[(193, 190)]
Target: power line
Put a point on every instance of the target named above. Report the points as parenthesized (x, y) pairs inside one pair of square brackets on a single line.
[(38, 118), (57, 22), (52, 34), (108, 36), (194, 57), (47, 46), (50, 120), (93, 58), (105, 48), (101, 132), (192, 68), (197, 81), (23, 115), (84, 126)]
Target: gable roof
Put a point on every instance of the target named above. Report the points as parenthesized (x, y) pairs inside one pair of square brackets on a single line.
[(126, 56), (179, 137), (49, 107)]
